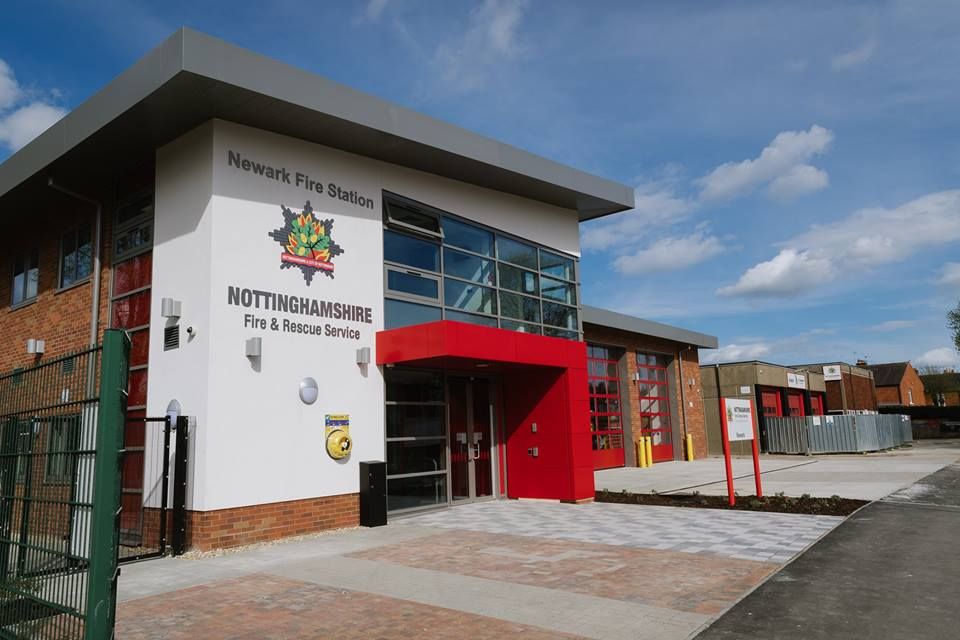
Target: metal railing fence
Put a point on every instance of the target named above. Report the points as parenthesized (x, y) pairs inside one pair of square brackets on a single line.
[(60, 438)]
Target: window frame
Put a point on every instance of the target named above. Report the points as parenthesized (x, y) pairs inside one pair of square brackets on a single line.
[(495, 261), (75, 232), (69, 453), (143, 220), (26, 255)]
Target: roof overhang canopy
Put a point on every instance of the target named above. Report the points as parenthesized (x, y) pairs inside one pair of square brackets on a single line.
[(459, 345), (192, 78), (631, 324)]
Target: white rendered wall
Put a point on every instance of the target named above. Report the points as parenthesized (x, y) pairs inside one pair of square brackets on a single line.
[(181, 270), (256, 442)]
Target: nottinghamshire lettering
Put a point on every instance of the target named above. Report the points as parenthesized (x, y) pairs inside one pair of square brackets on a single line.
[(271, 301)]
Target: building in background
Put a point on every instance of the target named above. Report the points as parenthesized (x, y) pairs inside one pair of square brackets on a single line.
[(644, 381), (942, 389), (849, 388), (898, 383), (775, 390)]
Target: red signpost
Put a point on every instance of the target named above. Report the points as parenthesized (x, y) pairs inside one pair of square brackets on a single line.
[(736, 418)]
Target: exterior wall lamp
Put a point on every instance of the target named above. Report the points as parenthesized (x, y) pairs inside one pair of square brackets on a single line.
[(36, 346), (170, 308)]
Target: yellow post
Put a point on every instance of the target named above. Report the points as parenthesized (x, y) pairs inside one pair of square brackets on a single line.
[(689, 448), (649, 451), (641, 454)]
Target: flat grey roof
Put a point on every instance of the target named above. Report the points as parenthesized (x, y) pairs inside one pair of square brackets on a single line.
[(192, 77), (605, 318)]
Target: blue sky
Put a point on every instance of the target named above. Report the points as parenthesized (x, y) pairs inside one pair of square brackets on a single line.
[(796, 164)]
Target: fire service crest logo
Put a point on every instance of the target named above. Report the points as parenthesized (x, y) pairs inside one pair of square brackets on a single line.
[(307, 243)]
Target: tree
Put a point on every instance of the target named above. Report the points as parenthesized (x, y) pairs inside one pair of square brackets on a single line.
[(953, 322)]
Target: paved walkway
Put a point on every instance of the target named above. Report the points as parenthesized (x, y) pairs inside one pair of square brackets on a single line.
[(764, 537), (864, 477), (890, 571), (489, 570)]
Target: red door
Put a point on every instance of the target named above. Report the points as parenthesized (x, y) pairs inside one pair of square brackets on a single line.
[(606, 418), (816, 404), (654, 404), (471, 437), (771, 403), (795, 403)]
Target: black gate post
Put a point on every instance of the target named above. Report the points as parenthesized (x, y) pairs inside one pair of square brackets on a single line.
[(180, 487), (164, 491)]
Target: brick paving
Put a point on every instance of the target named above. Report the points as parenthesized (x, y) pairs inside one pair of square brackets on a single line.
[(744, 535), (683, 582), (259, 606)]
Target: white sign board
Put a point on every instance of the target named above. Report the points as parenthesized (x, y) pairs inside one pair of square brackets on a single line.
[(796, 380), (831, 373), (739, 419), (745, 389)]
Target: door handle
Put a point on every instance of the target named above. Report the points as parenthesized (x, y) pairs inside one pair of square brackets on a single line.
[(476, 451)]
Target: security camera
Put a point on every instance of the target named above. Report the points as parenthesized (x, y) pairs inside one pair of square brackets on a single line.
[(191, 331)]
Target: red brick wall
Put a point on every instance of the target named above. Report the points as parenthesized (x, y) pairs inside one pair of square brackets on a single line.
[(911, 382), (632, 342), (61, 318), (226, 528), (860, 394), (888, 395)]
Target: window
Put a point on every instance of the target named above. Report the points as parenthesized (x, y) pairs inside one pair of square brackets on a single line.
[(606, 416), (134, 230), (488, 278), (653, 396), (63, 437), (76, 256), (26, 276)]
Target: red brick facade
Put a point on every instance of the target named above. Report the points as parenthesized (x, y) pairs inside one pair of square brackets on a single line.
[(858, 391), (235, 527), (59, 317), (909, 392), (692, 406)]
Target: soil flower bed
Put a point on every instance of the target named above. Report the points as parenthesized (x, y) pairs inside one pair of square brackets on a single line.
[(779, 503)]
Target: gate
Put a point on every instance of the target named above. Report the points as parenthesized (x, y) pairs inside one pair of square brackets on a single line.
[(61, 430), (149, 510)]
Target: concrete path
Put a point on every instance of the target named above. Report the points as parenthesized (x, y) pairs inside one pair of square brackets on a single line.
[(890, 571), (864, 477), (487, 570)]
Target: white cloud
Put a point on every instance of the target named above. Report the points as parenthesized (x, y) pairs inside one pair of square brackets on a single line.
[(21, 117), (9, 89), (941, 357), (735, 353), (783, 161), (798, 180), (854, 58), (466, 60), (671, 253), (375, 9), (24, 124), (950, 275), (864, 239), (892, 325), (790, 272), (655, 204)]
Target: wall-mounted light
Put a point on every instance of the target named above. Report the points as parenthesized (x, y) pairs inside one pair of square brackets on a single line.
[(36, 346), (363, 355), (308, 390), (169, 308), (254, 347)]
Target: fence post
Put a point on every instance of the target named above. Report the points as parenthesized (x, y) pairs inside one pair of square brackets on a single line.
[(180, 486), (104, 527)]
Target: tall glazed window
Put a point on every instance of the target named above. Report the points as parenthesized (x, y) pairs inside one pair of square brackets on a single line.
[(439, 266)]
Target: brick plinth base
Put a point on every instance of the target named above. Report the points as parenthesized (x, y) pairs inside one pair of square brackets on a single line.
[(238, 526)]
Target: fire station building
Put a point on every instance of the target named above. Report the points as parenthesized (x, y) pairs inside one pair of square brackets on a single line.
[(295, 260)]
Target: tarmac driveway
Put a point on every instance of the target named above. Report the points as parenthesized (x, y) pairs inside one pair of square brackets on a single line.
[(487, 570), (889, 571)]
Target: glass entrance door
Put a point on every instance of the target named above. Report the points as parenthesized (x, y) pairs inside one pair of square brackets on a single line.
[(471, 419)]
